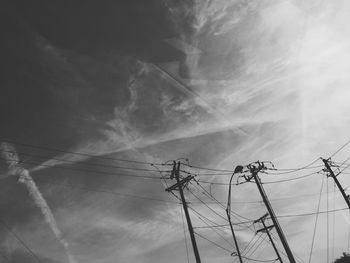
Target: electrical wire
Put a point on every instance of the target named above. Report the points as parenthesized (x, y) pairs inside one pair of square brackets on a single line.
[(281, 249), (259, 260), (207, 168), (255, 249), (183, 226), (327, 219), (349, 233), (21, 241), (316, 220), (272, 199), (212, 226), (213, 198), (256, 260), (248, 249), (95, 171), (215, 231), (201, 216), (292, 170), (78, 153), (213, 174), (341, 148), (4, 257), (314, 213), (86, 164), (333, 234), (291, 179), (245, 248), (221, 216), (214, 243), (40, 181)]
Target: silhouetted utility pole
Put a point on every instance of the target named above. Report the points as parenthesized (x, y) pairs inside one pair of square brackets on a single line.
[(254, 169), (331, 173), (179, 186), (267, 230)]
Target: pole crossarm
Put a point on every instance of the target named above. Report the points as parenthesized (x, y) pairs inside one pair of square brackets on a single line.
[(179, 184), (265, 229), (261, 218)]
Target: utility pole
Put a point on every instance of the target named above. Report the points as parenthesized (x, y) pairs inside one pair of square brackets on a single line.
[(254, 174), (179, 186), (331, 173), (267, 230)]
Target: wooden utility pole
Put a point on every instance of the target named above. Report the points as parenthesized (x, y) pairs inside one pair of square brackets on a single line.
[(179, 185), (254, 174), (267, 230), (331, 173)]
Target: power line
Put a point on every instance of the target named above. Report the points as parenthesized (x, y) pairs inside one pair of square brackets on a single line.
[(281, 250), (207, 168), (310, 214), (253, 245), (248, 249), (227, 172), (86, 164), (293, 170), (93, 171), (316, 220), (291, 179), (3, 256), (213, 198), (183, 226), (211, 226), (252, 252), (272, 199), (79, 153), (214, 230), (40, 181), (214, 243), (21, 241), (221, 216), (341, 148), (245, 248)]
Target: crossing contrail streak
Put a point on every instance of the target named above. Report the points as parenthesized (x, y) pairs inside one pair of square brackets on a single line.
[(9, 154)]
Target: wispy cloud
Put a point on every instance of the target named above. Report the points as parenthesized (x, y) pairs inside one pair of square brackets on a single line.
[(9, 153)]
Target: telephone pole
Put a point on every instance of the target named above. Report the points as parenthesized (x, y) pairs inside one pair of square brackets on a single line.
[(331, 174), (254, 169), (179, 186), (267, 230)]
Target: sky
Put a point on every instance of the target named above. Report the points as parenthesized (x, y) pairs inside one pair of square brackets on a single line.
[(132, 85)]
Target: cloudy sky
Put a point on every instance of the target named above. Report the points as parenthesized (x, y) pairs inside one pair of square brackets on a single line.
[(132, 83)]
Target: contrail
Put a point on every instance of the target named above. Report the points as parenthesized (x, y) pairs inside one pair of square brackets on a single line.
[(9, 154)]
